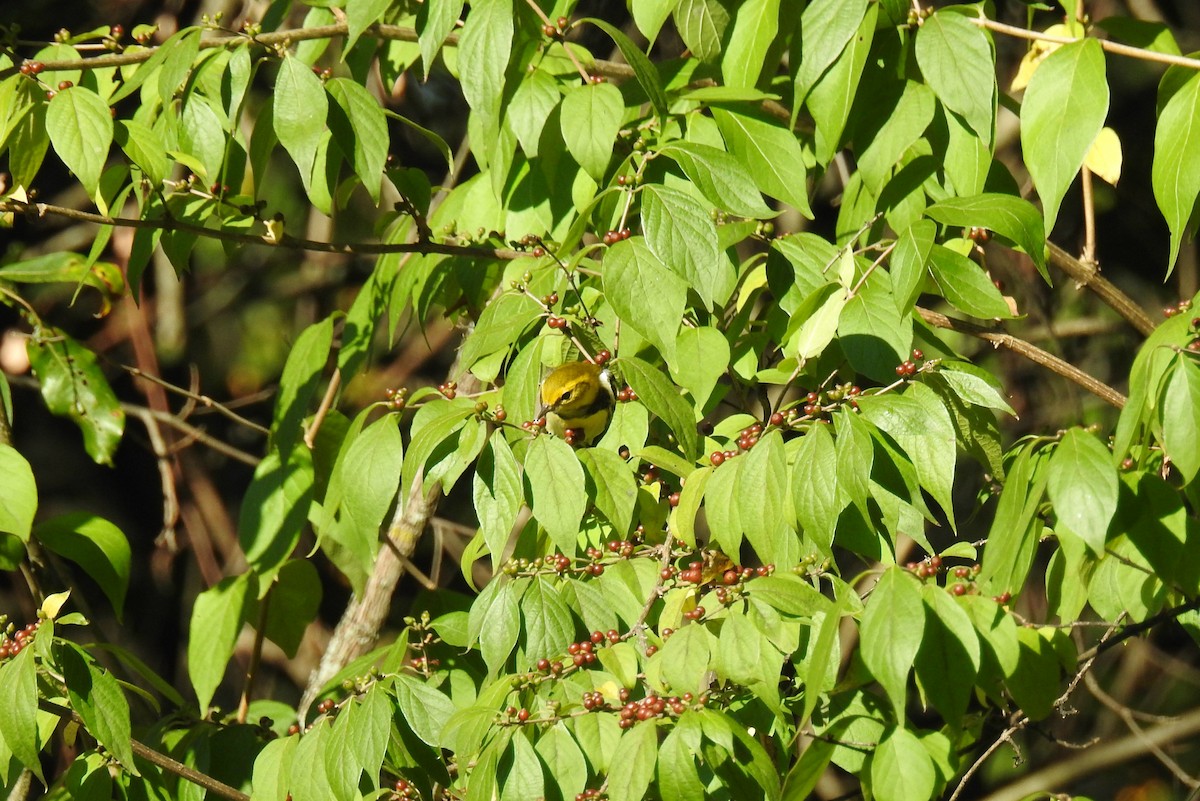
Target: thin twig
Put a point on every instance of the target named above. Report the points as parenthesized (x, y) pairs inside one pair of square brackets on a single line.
[(166, 474), (310, 433), (1111, 47), (264, 608), (1089, 217), (283, 241), (1127, 716), (1137, 628), (195, 433), (1031, 352), (203, 400), (156, 757)]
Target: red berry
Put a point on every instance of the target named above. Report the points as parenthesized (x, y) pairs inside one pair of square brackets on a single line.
[(523, 715), (777, 419), (918, 354), (64, 85), (717, 458)]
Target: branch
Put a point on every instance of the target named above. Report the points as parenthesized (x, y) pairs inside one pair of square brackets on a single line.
[(284, 241), (1098, 758), (1088, 275), (156, 758), (1031, 352), (1111, 47), (1138, 628)]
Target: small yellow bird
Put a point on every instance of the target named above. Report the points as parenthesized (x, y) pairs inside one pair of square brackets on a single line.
[(578, 402)]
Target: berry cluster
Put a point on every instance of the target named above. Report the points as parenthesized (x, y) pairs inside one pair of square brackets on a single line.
[(31, 68), (555, 322), (591, 794), (979, 236), (582, 653), (613, 237), (405, 789), (396, 398), (593, 701), (626, 394), (1179, 308), (907, 369), (13, 640), (964, 577), (653, 706), (557, 29), (449, 389)]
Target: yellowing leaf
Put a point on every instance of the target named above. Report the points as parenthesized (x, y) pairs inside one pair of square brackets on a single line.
[(1036, 55), (1104, 156)]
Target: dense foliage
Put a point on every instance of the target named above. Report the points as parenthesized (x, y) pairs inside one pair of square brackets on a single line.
[(800, 554)]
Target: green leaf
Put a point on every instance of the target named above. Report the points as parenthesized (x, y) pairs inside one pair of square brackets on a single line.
[(720, 177), (98, 699), (19, 698), (677, 774), (1011, 217), (73, 386), (974, 385), (892, 629), (643, 69), (275, 509), (360, 14), (754, 29), (827, 27), (816, 492), (616, 488), (956, 58), (435, 20), (293, 602), (701, 358), (1063, 111), (590, 121), (483, 54), (144, 147), (1013, 536), (965, 285), (662, 398), (498, 494), (1179, 416), (300, 107), (370, 473), (901, 126), (558, 497), (524, 778), (501, 324), (681, 233), (818, 317), (788, 594), (832, 98), (701, 24), (499, 622), (1175, 174), (562, 757), (547, 620), (216, 620), (19, 501), (647, 296), (907, 265), (360, 129), (633, 762), (901, 769), (94, 544), (81, 130), (773, 156), (921, 425), (949, 657), (762, 495), (874, 336), (1081, 480), (424, 709), (300, 381), (1034, 683), (532, 103)]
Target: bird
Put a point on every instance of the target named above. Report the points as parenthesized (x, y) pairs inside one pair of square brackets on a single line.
[(578, 402)]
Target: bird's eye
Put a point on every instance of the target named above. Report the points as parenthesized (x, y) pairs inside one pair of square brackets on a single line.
[(566, 395)]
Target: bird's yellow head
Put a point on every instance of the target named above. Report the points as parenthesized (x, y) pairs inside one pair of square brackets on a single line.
[(578, 396)]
